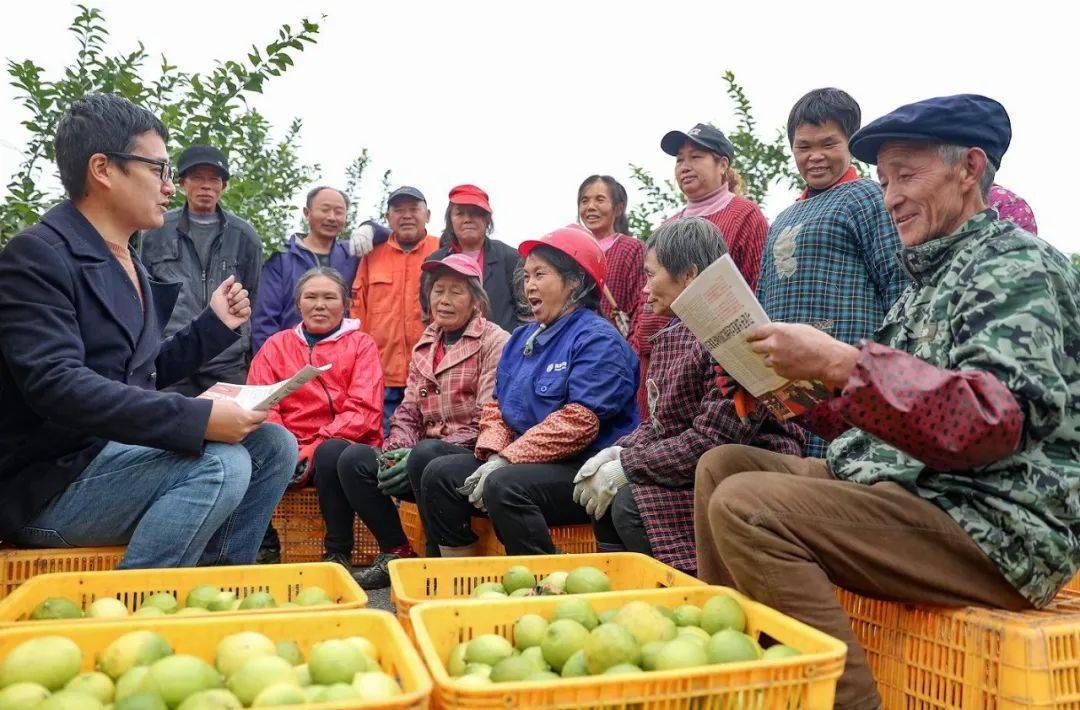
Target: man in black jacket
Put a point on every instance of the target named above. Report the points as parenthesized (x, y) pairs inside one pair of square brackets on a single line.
[(91, 453), (200, 245)]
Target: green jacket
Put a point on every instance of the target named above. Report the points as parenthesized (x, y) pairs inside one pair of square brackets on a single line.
[(992, 297)]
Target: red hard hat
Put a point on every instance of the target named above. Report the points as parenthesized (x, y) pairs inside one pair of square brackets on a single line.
[(576, 242)]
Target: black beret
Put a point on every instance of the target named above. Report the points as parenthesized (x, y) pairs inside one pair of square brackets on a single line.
[(968, 120)]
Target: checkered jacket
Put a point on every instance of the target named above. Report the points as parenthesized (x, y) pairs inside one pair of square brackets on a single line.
[(687, 417), (624, 276), (744, 229), (831, 261), (445, 402)]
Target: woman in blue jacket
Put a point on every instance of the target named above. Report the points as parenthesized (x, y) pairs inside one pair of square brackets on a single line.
[(564, 390)]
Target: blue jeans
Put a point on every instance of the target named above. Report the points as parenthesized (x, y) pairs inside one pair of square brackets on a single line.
[(170, 509), (392, 397)]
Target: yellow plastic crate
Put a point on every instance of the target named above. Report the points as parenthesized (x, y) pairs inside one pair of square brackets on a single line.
[(18, 565), (807, 681), (427, 579), (199, 636), (939, 658), (299, 524), (131, 587), (409, 515), (570, 539)]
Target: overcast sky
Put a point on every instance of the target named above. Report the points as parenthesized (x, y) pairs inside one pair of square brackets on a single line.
[(526, 99)]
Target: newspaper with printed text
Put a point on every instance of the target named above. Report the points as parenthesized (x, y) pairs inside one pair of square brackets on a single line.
[(719, 307), (260, 398)]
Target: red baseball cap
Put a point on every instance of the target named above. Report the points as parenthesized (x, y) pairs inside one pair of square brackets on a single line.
[(458, 263), (470, 195)]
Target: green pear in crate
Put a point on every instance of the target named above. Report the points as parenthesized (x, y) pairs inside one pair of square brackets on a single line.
[(180, 592), (637, 637), (139, 669)]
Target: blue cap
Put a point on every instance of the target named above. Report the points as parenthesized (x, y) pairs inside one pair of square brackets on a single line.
[(968, 120)]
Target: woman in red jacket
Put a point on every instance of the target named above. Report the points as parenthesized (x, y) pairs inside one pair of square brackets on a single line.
[(341, 407)]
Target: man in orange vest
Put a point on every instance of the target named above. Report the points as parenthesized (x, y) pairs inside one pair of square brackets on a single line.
[(386, 291)]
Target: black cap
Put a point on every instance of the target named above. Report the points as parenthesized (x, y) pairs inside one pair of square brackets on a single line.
[(967, 120), (203, 155), (405, 191), (702, 135)]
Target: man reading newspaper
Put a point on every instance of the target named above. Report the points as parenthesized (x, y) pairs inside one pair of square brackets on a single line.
[(956, 482), (91, 453)]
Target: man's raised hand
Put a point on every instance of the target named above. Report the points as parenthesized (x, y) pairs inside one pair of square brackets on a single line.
[(230, 303)]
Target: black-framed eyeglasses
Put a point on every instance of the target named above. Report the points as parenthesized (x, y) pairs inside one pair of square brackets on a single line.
[(166, 172)]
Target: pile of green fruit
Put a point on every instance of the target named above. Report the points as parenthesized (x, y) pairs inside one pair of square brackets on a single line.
[(519, 581), (634, 638), (200, 600), (139, 671)]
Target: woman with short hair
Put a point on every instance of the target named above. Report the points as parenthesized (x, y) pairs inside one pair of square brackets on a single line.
[(640, 490)]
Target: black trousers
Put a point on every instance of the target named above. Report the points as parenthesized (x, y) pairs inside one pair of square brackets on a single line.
[(423, 454), (622, 528), (522, 500), (346, 479)]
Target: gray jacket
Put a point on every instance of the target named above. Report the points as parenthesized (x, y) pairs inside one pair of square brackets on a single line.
[(170, 256)]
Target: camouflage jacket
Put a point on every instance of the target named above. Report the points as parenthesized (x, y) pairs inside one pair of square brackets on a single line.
[(992, 298)]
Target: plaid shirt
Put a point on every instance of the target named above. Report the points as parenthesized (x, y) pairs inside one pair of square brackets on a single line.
[(744, 229), (445, 402), (831, 261), (624, 276), (687, 417)]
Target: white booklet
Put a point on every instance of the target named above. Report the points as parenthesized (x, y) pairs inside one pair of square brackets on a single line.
[(718, 307), (260, 398)]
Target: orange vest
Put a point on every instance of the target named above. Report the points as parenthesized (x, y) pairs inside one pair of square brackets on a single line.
[(386, 299)]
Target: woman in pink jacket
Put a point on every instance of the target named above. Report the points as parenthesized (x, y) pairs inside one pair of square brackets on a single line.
[(337, 409), (451, 376)]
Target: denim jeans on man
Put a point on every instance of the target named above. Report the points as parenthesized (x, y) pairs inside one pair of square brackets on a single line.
[(171, 509)]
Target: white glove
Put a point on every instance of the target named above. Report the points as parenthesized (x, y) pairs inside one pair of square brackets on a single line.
[(589, 468), (596, 491), (474, 484), (362, 240)]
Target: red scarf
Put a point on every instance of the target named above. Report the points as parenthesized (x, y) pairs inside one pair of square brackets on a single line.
[(850, 175)]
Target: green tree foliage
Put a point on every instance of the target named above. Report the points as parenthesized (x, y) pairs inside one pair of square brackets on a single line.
[(354, 176), (660, 200), (354, 190), (211, 107)]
